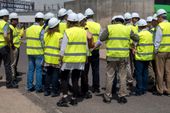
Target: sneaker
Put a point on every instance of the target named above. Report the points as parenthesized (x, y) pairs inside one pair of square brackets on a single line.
[(73, 101), (95, 90), (46, 93), (31, 89), (166, 94), (11, 85), (55, 94), (87, 95), (106, 98), (122, 100), (39, 91), (157, 93), (63, 102)]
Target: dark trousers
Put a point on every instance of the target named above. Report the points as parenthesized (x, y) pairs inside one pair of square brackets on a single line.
[(84, 80), (5, 56), (75, 75), (51, 79), (94, 62), (141, 73)]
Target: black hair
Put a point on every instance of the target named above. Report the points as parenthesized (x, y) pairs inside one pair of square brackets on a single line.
[(119, 20), (38, 20), (89, 16)]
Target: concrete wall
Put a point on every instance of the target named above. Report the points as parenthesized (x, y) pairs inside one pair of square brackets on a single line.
[(105, 9)]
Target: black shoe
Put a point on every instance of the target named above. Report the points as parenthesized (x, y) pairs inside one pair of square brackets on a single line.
[(157, 93), (106, 99), (11, 85), (73, 102), (46, 93), (31, 89), (122, 100), (55, 94), (39, 91), (167, 94), (96, 90), (63, 102), (87, 95)]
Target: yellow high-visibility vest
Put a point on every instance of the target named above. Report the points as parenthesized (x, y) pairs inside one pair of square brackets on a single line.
[(165, 43), (94, 28), (2, 40), (135, 29), (52, 47), (145, 47), (16, 36), (62, 27), (34, 45), (118, 42), (76, 49)]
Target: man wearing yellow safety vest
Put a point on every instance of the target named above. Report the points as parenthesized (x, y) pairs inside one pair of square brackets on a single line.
[(74, 53), (135, 19), (34, 50), (93, 59), (16, 42), (117, 37), (52, 42), (130, 67), (5, 47), (151, 25), (84, 76), (162, 54), (143, 55), (62, 16)]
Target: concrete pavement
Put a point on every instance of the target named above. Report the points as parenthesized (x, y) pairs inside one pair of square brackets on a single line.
[(12, 101)]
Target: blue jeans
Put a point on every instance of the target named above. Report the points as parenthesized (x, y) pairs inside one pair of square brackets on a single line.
[(34, 64), (141, 73)]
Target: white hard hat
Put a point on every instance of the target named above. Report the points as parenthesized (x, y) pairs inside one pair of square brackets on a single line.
[(4, 12), (39, 15), (81, 17), (69, 11), (113, 18), (142, 22), (49, 15), (155, 17), (120, 17), (73, 17), (53, 22), (135, 15), (127, 16), (13, 16), (149, 19), (160, 12), (62, 12), (88, 12)]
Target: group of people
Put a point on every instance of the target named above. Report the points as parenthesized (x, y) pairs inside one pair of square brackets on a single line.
[(61, 49)]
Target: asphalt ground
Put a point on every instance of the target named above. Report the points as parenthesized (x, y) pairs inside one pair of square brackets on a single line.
[(147, 103)]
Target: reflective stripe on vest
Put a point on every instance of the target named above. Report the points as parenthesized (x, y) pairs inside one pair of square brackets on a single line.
[(165, 42), (117, 45), (16, 37), (145, 48), (52, 47), (34, 46), (2, 40), (62, 27), (76, 50)]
